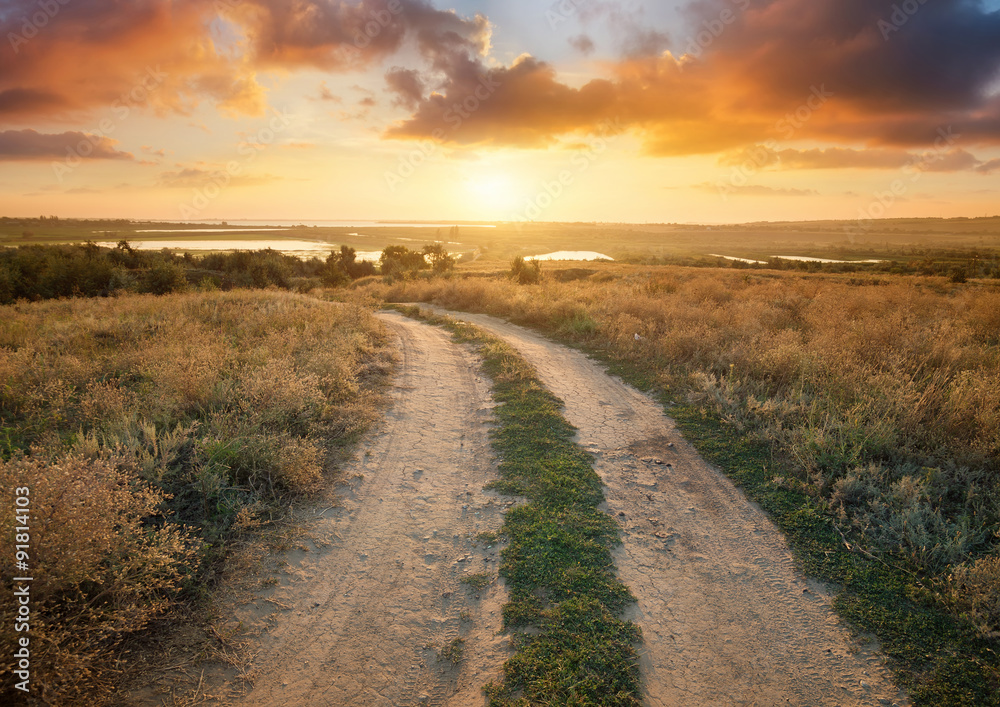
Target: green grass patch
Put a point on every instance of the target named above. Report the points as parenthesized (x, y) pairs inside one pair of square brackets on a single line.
[(557, 565)]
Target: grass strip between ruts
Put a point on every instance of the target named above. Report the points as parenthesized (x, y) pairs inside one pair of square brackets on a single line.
[(937, 657), (557, 564)]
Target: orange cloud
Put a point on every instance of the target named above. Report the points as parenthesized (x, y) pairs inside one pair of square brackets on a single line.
[(24, 145), (121, 56), (100, 53)]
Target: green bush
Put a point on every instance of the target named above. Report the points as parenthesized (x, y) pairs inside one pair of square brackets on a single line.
[(525, 272)]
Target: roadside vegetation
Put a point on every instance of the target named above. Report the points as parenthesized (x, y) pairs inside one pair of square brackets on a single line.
[(557, 564), (154, 433), (863, 414), (40, 272)]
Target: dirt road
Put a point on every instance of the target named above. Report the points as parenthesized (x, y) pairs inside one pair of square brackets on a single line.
[(369, 613), (727, 619)]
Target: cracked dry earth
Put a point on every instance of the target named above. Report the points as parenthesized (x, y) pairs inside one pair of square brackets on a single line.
[(726, 617)]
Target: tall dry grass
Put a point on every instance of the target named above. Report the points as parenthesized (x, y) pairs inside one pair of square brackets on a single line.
[(151, 431), (883, 396)]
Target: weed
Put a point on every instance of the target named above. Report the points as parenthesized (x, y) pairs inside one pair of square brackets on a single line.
[(487, 538), (480, 580), (453, 650)]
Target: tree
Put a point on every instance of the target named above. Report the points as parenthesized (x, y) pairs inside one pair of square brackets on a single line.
[(399, 260), (344, 266), (441, 260)]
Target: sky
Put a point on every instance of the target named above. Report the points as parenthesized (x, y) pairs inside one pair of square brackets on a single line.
[(677, 111)]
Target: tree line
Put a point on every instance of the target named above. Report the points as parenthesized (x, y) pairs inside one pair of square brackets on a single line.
[(37, 272)]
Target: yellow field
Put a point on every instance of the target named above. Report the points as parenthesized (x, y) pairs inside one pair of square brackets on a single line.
[(151, 431)]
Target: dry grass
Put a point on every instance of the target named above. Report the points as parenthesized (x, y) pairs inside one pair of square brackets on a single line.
[(883, 396), (154, 431)]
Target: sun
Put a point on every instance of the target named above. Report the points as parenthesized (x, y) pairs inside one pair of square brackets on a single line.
[(493, 193)]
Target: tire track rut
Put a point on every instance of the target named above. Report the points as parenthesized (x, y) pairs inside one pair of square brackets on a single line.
[(369, 611), (727, 618)]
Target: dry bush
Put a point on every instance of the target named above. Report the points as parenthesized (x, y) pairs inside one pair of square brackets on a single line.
[(138, 416), (101, 568), (975, 590)]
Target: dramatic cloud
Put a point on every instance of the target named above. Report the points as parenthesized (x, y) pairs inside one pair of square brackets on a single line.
[(407, 85), (826, 70), (102, 53), (337, 35), (862, 73), (523, 105), (23, 145), (109, 54)]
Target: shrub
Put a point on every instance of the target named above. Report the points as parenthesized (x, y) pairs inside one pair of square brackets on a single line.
[(162, 279), (525, 272), (975, 590), (103, 562)]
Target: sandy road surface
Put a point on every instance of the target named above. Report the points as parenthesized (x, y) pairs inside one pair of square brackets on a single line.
[(726, 618), (369, 612)]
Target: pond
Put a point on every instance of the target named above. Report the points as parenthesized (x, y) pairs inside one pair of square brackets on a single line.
[(572, 255), (797, 258)]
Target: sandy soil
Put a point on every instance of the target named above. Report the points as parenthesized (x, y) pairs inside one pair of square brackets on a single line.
[(726, 617), (367, 611)]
